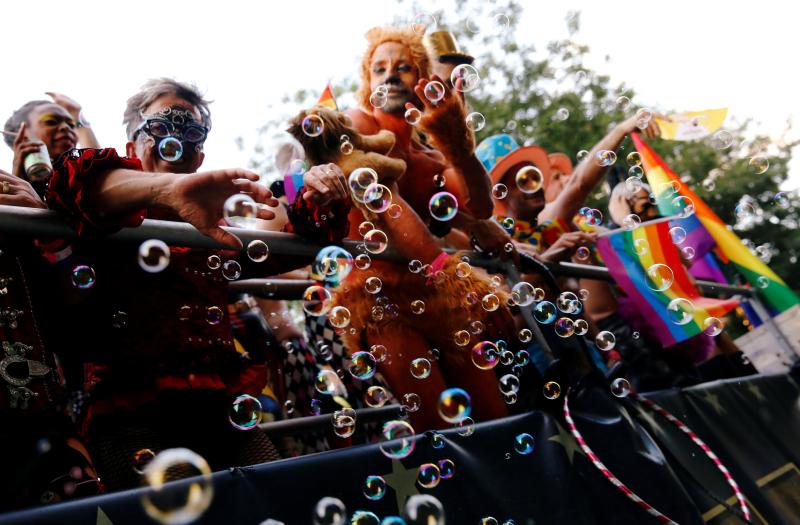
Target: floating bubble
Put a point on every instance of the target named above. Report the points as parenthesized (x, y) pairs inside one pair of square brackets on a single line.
[(376, 396), (659, 277), (634, 158), (397, 439), (316, 300), (423, 21), (346, 147), (544, 312), (141, 459), (377, 198), (153, 255), (428, 475), (500, 23), (119, 319), (580, 326), (393, 520), (525, 335), (170, 149), (418, 307), (782, 200), (712, 326), (454, 405), (415, 266), (708, 184), (489, 520), (312, 125), (420, 368), (529, 179), (231, 270), (326, 382), (682, 206), (375, 241), (461, 338), (722, 139), (433, 91), (245, 413), (83, 276), (359, 180), (423, 509), (759, 164), (185, 312), (410, 402), (687, 252), (373, 285), (443, 206), (362, 365), (583, 253), (180, 504), (631, 222), (680, 311), (623, 103), (564, 327), (240, 210), (551, 390), (378, 99), (636, 172), (214, 262), (500, 191), (362, 261), (568, 303), (523, 444), (490, 302), (522, 294), (374, 488), (468, 75), (508, 224), (330, 511), (605, 157), (364, 517), (466, 427), (447, 468), (257, 251), (485, 355), (344, 422), (677, 234), (463, 269), (582, 154), (762, 281), (214, 315), (668, 189), (633, 185), (744, 211), (475, 121), (413, 116), (605, 341), (561, 114), (641, 246), (509, 383), (620, 387), (339, 316), (394, 211)]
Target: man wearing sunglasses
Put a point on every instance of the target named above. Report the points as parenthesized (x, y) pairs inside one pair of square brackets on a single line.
[(159, 362)]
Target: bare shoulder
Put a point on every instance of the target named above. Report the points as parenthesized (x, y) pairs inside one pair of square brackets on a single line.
[(362, 121)]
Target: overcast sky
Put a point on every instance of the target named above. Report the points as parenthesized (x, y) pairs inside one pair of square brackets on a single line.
[(686, 55)]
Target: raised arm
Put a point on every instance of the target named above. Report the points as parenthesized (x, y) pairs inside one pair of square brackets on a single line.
[(86, 136), (589, 172)]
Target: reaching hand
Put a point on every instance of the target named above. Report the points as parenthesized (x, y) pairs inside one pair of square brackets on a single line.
[(652, 130), (18, 192), (22, 148), (72, 107), (199, 198), (565, 246), (491, 238), (445, 119), (324, 183)]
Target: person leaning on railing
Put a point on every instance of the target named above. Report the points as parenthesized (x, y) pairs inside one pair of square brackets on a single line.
[(160, 366)]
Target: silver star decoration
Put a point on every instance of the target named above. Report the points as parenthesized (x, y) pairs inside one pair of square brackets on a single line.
[(713, 400), (650, 418), (102, 518), (403, 481), (566, 440)]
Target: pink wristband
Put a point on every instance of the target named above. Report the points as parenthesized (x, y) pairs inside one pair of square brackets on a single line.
[(436, 265)]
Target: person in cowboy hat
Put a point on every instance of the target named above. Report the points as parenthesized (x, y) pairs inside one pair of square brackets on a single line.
[(444, 53)]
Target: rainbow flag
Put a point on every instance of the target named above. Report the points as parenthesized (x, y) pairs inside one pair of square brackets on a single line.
[(777, 295), (327, 99), (630, 254)]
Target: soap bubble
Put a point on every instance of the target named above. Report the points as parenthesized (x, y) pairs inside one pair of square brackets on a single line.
[(423, 509), (375, 241), (377, 198), (316, 300), (476, 121), (580, 326), (551, 390), (490, 302), (153, 255), (374, 487), (339, 316), (712, 326), (373, 285), (623, 103), (680, 311), (376, 396), (564, 327), (544, 312), (245, 413), (231, 270), (687, 252), (523, 444), (682, 206), (397, 439), (509, 383), (362, 261), (722, 139), (634, 158), (633, 185), (330, 511), (620, 387), (83, 276), (433, 91), (485, 355), (454, 405), (561, 114), (447, 468), (631, 222), (428, 475), (659, 277), (413, 116), (240, 210), (605, 341), (641, 246), (762, 281), (759, 164), (312, 125), (257, 251), (529, 179), (605, 157), (420, 368), (362, 365), (359, 180), (523, 294), (468, 75), (141, 459), (344, 422), (443, 206), (170, 149), (568, 303), (500, 191), (677, 234), (180, 504), (326, 382)]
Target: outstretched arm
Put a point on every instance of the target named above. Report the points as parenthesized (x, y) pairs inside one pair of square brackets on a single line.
[(589, 172), (86, 136)]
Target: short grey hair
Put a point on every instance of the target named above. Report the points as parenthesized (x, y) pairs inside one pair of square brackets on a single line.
[(156, 88), (19, 117)]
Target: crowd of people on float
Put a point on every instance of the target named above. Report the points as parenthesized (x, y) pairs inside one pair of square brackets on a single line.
[(107, 355)]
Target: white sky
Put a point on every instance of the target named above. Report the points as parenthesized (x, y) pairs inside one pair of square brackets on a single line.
[(686, 55)]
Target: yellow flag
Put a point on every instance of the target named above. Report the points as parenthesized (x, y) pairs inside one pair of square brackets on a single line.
[(692, 125)]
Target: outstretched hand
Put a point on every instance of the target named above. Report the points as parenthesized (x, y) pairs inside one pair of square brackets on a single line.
[(445, 119), (566, 245), (72, 107), (199, 199)]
